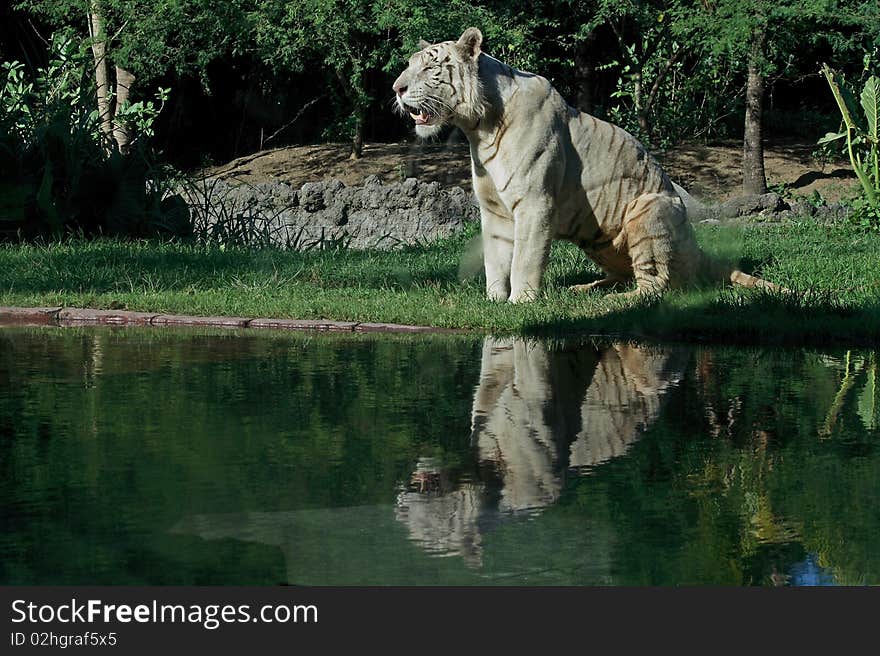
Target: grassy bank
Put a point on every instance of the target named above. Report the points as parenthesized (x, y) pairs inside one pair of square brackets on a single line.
[(834, 269)]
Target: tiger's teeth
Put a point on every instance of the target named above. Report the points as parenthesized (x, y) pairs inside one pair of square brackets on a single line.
[(421, 118)]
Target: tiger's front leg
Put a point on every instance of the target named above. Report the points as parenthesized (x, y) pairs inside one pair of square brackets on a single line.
[(533, 234), (497, 237)]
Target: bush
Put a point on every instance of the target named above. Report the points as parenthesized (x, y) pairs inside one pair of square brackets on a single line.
[(59, 173)]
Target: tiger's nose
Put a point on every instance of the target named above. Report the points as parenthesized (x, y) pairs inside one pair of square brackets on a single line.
[(399, 87)]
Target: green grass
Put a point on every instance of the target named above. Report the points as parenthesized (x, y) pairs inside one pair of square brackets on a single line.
[(833, 270)]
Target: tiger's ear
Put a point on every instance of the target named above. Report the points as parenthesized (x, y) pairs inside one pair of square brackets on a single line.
[(423, 44), (470, 42)]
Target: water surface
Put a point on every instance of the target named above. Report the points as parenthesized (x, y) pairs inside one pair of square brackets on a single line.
[(170, 457)]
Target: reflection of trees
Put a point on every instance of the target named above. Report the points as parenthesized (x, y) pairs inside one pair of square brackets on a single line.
[(859, 373), (155, 424), (743, 417), (539, 415), (791, 495)]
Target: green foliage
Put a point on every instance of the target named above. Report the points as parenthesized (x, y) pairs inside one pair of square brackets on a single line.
[(342, 43), (141, 116), (860, 133), (667, 70), (53, 149), (681, 64), (153, 39), (27, 101)]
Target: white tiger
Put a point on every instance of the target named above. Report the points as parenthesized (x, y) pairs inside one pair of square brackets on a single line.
[(543, 170)]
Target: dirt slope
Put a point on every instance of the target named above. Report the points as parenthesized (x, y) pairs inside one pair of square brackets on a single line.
[(709, 172)]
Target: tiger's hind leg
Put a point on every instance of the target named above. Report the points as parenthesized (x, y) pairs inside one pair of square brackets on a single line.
[(660, 243), (614, 264)]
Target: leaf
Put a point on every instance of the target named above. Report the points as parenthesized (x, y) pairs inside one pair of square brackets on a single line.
[(846, 102), (870, 102), (831, 136)]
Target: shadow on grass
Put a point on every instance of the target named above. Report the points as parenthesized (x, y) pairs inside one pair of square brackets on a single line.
[(731, 316), (104, 266)]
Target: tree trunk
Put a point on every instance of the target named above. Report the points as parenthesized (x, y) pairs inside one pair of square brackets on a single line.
[(585, 72), (102, 73), (754, 179), (357, 140), (121, 132), (645, 122), (637, 93)]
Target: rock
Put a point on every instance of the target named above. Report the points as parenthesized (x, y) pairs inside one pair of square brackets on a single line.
[(311, 196), (410, 187), (773, 202), (769, 206), (831, 213), (340, 215), (803, 209), (385, 216), (785, 215), (825, 213), (751, 204)]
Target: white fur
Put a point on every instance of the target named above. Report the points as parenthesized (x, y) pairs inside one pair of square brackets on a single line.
[(543, 170)]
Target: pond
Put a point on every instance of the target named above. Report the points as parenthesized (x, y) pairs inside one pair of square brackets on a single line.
[(141, 456)]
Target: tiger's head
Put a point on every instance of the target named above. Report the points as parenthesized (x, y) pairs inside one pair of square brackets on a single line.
[(441, 84)]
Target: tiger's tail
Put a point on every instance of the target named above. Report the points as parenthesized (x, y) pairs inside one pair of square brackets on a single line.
[(718, 270), (741, 279), (721, 272)]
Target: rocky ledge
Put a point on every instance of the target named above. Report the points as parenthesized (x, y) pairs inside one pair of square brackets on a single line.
[(326, 214), (381, 216), (769, 207)]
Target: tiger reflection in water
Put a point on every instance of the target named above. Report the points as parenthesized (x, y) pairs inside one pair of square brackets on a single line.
[(539, 415)]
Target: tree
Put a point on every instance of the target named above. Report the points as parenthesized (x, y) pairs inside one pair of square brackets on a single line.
[(347, 42), (143, 40), (113, 129), (754, 177), (763, 39), (335, 36), (676, 60), (647, 45)]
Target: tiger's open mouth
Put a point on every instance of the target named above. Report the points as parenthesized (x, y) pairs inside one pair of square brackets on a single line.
[(420, 116)]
